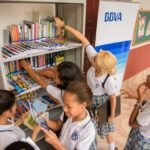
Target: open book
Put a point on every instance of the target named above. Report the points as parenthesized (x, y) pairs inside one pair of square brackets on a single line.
[(37, 114)]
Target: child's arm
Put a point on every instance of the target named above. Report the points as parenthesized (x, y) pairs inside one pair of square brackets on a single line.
[(90, 50), (112, 107), (133, 117), (127, 94), (32, 73), (49, 73), (51, 138), (59, 23)]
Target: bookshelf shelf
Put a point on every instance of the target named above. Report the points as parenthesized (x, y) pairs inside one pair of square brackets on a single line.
[(44, 1), (37, 52)]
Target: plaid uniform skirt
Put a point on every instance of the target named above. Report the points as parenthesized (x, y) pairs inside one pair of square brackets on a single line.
[(136, 141), (103, 129)]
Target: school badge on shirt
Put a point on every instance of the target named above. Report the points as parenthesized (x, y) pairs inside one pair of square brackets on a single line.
[(97, 85), (75, 136)]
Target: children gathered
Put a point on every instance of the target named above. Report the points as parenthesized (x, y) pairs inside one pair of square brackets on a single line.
[(78, 125)]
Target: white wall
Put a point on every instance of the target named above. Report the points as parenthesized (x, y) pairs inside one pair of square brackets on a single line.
[(145, 4)]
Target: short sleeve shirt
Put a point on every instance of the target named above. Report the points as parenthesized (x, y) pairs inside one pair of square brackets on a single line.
[(55, 92), (143, 120), (78, 135), (95, 83), (9, 134)]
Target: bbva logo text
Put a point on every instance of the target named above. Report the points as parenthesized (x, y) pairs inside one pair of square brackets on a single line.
[(113, 16)]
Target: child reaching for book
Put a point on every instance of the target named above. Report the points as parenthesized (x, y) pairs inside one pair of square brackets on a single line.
[(103, 68), (78, 131), (62, 75), (9, 132)]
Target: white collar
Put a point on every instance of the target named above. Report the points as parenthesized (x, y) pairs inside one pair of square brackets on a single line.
[(82, 123), (7, 127)]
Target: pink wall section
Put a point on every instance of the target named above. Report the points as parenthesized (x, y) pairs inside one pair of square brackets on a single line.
[(138, 60)]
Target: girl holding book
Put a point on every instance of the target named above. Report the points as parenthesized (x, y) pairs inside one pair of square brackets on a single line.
[(78, 131), (65, 73), (103, 64)]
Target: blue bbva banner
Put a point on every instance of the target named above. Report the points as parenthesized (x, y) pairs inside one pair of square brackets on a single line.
[(114, 32)]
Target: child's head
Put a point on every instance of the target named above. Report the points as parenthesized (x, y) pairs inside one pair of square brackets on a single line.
[(19, 145), (68, 71), (76, 98), (105, 62), (7, 103), (148, 81)]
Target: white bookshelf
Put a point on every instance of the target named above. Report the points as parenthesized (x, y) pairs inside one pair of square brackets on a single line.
[(15, 11)]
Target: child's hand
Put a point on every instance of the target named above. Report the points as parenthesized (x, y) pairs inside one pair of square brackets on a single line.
[(50, 137), (21, 119), (58, 22), (36, 131), (127, 94), (25, 64), (111, 119), (141, 90)]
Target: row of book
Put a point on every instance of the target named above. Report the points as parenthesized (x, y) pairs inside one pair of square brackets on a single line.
[(23, 83), (37, 62), (31, 30), (16, 48), (20, 81)]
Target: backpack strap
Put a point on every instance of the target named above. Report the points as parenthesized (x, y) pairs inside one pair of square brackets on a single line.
[(103, 83)]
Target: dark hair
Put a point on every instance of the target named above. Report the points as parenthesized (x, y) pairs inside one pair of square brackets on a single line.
[(7, 100), (19, 145), (68, 71), (82, 91)]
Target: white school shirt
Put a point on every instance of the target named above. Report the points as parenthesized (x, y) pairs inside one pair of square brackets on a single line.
[(78, 135), (95, 83), (143, 120), (9, 134), (56, 93)]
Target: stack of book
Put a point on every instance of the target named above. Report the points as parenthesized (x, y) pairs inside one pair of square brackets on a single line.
[(21, 81)]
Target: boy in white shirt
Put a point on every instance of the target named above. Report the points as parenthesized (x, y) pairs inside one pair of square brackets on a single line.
[(9, 132)]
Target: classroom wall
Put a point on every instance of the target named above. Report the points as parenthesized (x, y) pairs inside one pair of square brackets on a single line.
[(138, 59)]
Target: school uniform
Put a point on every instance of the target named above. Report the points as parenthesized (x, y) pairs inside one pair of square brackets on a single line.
[(78, 135), (101, 95), (9, 134), (55, 92), (139, 138)]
